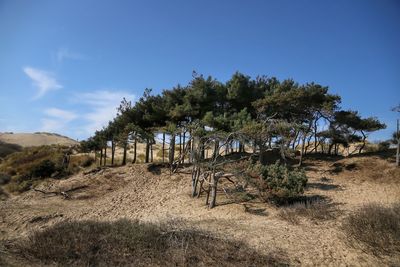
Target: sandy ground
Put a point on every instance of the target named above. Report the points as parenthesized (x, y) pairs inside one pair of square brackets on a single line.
[(36, 139), (136, 193)]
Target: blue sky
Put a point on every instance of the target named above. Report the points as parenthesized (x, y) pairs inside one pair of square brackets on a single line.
[(65, 65)]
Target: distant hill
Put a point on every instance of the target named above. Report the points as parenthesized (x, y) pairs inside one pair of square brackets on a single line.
[(36, 139)]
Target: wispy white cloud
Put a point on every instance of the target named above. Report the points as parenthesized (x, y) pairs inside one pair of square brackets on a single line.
[(64, 53), (43, 80), (57, 119), (61, 114), (102, 107)]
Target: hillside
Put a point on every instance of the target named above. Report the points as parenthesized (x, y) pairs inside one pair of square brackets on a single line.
[(36, 139), (148, 193)]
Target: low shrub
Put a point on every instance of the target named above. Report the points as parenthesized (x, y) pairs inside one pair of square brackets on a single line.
[(28, 160), (19, 187), (314, 210), (3, 196), (4, 178), (159, 154), (122, 243), (384, 146), (33, 164), (81, 160), (375, 227), (44, 169), (141, 158), (7, 149), (281, 182)]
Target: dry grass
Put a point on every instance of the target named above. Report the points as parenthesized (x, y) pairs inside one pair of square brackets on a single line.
[(318, 210), (376, 228), (24, 166), (7, 149), (123, 242)]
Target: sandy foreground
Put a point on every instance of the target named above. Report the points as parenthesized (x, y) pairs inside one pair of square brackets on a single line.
[(134, 192)]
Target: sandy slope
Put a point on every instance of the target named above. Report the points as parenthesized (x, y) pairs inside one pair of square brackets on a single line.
[(134, 192), (36, 139)]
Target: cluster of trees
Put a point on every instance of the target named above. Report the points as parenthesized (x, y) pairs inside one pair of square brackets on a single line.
[(260, 114), (267, 113)]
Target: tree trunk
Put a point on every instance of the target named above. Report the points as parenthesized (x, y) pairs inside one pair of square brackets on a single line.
[(172, 150), (105, 155), (180, 145), (214, 181), (124, 156), (295, 139), (190, 149), (216, 149), (302, 149), (363, 140), (308, 145), (195, 180), (315, 136), (101, 156), (202, 149), (163, 146), (134, 149), (151, 152), (147, 151), (112, 152), (330, 149), (261, 158), (184, 150)]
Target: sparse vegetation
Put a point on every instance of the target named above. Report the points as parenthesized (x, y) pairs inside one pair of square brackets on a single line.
[(375, 227), (7, 149), (123, 242), (27, 167), (318, 210), (4, 178)]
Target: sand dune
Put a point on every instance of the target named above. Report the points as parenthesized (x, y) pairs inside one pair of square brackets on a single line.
[(36, 139), (137, 192)]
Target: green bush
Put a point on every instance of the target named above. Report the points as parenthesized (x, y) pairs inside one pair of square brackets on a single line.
[(4, 178), (87, 162), (19, 187), (280, 181), (384, 146), (44, 169)]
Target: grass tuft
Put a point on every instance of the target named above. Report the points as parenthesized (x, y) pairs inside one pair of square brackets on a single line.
[(319, 210), (124, 242), (376, 227)]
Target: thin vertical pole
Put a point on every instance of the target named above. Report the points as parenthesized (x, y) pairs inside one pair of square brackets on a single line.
[(398, 144)]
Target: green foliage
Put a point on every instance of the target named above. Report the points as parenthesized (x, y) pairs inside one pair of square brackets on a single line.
[(241, 105), (280, 181), (33, 164), (4, 178), (384, 146), (44, 169), (7, 149), (26, 161)]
